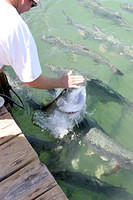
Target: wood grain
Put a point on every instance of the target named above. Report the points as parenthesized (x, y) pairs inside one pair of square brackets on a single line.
[(22, 176), (27, 183), (54, 194), (14, 155)]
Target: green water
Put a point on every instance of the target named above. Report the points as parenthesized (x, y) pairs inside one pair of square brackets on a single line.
[(116, 119)]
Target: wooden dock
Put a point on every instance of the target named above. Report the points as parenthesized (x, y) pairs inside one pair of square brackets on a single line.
[(22, 176)]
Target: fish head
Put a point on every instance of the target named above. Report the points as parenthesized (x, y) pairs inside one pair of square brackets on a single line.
[(73, 100)]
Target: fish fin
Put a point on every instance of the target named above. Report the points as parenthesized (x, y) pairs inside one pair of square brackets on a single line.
[(96, 28), (113, 170), (69, 20)]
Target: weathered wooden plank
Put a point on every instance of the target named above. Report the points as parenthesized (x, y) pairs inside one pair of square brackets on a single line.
[(22, 177), (54, 194), (27, 183), (8, 128), (15, 154)]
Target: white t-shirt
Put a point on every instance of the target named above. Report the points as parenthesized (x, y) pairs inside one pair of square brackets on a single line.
[(17, 46)]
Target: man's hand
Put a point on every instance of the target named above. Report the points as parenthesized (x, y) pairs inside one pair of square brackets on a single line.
[(66, 81), (71, 81)]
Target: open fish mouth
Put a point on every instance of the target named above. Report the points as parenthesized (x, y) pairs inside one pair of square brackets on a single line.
[(73, 101), (64, 112)]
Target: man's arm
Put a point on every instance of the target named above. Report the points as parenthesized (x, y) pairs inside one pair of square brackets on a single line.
[(65, 81)]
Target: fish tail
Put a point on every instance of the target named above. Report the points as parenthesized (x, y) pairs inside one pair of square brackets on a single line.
[(115, 70), (119, 72), (69, 20)]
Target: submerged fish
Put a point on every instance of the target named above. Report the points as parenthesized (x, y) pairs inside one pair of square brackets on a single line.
[(80, 49), (60, 116), (128, 7), (94, 86), (92, 184), (85, 31), (105, 146), (110, 14), (97, 34), (99, 87)]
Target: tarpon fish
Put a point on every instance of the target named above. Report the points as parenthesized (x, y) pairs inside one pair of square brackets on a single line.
[(90, 183), (80, 49), (95, 85), (60, 116), (87, 32), (128, 7), (105, 146), (97, 34), (93, 184), (100, 87), (115, 44), (98, 9)]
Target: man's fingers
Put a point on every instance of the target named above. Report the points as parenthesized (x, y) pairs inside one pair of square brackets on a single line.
[(71, 81), (75, 86), (77, 78), (69, 73)]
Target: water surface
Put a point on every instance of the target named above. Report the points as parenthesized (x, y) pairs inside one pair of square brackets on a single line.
[(114, 117)]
